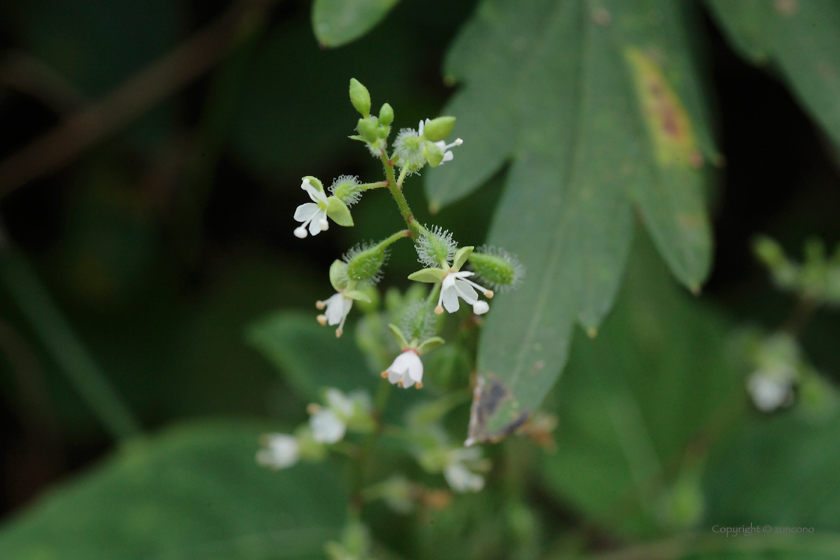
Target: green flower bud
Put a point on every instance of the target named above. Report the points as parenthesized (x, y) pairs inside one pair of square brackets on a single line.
[(369, 128), (339, 212), (435, 248), (433, 153), (386, 115), (497, 267), (438, 129), (365, 263), (360, 97)]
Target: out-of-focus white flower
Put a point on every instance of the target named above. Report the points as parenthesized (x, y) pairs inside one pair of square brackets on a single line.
[(326, 426), (406, 370), (313, 214), (337, 307), (458, 473), (444, 147), (279, 451), (330, 423), (769, 392)]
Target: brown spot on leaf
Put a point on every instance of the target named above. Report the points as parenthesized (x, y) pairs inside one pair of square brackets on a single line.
[(494, 405)]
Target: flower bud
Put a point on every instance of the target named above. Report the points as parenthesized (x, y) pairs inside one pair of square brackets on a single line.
[(497, 267), (338, 275), (386, 115), (364, 263), (369, 128), (360, 97), (438, 129)]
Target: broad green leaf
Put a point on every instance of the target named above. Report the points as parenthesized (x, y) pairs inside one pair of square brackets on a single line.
[(310, 355), (337, 22), (617, 120), (634, 400), (778, 471), (798, 38), (192, 492)]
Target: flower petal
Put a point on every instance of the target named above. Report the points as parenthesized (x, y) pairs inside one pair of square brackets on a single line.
[(450, 299), (327, 427), (306, 211), (315, 225), (466, 292), (314, 194)]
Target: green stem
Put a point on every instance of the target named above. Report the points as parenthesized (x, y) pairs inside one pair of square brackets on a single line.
[(371, 186), (396, 237), (412, 223), (62, 344)]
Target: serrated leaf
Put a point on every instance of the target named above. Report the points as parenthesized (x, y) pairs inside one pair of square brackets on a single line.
[(338, 22), (634, 399), (193, 491), (801, 39), (591, 133)]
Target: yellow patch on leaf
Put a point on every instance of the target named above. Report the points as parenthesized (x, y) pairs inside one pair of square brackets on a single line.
[(666, 118)]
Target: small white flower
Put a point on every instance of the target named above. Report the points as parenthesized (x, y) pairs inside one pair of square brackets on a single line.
[(769, 392), (444, 147), (312, 213), (458, 474), (337, 307), (455, 285), (406, 370), (326, 426), (281, 451)]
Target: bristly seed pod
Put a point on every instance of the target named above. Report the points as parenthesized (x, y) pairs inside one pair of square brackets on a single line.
[(435, 248), (497, 267), (364, 263)]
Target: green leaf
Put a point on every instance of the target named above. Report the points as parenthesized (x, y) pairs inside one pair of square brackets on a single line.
[(634, 400), (785, 473), (358, 295), (398, 336), (338, 22), (617, 120), (310, 355), (461, 257), (801, 39), (193, 491), (430, 344)]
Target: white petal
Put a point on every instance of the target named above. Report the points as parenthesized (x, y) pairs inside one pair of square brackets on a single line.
[(306, 211), (314, 194), (461, 274), (461, 479), (767, 394), (339, 403), (410, 365), (393, 376), (466, 292), (315, 224), (326, 426), (407, 381), (281, 451), (335, 309), (447, 156), (450, 298)]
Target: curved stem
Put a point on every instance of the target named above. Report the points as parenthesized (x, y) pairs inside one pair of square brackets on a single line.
[(412, 223)]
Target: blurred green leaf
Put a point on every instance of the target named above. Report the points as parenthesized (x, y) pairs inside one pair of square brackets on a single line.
[(639, 405), (798, 38), (618, 119), (778, 471), (337, 22), (192, 492), (310, 355)]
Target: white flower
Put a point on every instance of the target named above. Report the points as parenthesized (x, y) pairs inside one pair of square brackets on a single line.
[(455, 285), (337, 307), (444, 147), (281, 451), (458, 475), (769, 392), (406, 370), (312, 213), (326, 426)]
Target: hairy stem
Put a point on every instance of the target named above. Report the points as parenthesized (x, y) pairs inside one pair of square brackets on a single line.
[(396, 192)]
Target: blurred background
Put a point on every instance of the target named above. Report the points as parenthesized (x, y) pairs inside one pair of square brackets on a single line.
[(150, 161)]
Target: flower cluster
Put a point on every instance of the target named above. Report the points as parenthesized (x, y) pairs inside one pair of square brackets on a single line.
[(436, 248)]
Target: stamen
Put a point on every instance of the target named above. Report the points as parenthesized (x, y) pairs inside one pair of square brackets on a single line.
[(419, 385), (322, 319), (320, 304), (385, 374), (313, 408), (438, 310), (338, 332)]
